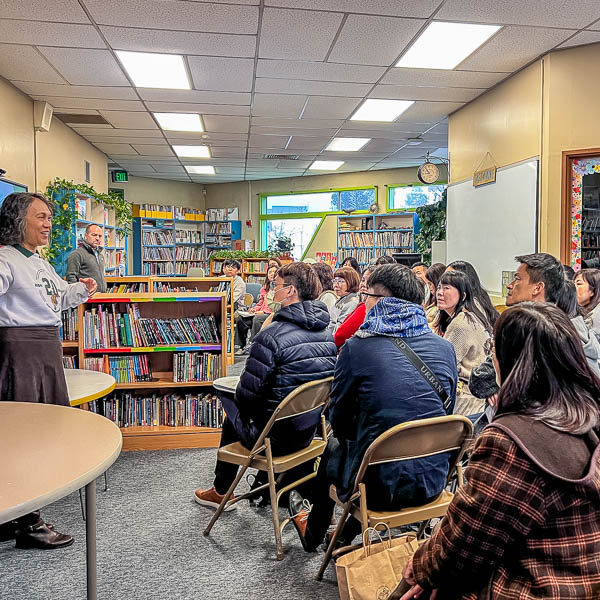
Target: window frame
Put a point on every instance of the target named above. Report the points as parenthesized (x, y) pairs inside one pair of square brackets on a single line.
[(390, 192)]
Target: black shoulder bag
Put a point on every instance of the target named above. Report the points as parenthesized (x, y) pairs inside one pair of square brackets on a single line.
[(425, 371)]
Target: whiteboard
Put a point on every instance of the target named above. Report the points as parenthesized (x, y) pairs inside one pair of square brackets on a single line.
[(489, 225)]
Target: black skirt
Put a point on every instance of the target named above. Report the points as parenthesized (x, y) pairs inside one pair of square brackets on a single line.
[(31, 368)]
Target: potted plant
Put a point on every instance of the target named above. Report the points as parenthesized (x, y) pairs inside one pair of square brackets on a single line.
[(282, 245)]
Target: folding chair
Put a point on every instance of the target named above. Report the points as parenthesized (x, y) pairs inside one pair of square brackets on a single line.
[(407, 441), (248, 299), (307, 398)]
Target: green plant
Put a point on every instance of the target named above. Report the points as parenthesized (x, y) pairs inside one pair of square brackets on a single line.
[(239, 254), (282, 244), (433, 226)]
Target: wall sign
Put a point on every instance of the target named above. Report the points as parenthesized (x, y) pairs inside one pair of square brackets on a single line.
[(483, 176)]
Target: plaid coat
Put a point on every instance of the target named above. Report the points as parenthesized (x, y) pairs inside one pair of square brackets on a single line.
[(514, 531)]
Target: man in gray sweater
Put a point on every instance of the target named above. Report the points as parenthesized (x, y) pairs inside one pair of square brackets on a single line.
[(87, 260)]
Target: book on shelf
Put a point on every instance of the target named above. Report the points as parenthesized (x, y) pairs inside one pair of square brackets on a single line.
[(189, 253), (136, 287), (167, 287), (161, 238), (187, 236), (222, 214), (69, 362), (255, 279), (363, 256), (159, 268), (106, 327), (222, 286), (158, 253), (172, 410), (363, 240), (256, 266), (393, 238), (68, 328), (125, 369), (196, 366)]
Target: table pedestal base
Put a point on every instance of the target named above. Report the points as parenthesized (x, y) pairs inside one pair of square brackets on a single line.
[(90, 539)]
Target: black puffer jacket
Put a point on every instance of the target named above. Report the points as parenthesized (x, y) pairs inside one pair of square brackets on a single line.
[(294, 349)]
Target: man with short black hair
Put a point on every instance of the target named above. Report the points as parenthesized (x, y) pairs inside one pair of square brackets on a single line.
[(539, 278), (375, 387), (87, 260)]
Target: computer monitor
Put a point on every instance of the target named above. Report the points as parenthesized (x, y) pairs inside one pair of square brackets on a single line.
[(8, 187), (407, 259)]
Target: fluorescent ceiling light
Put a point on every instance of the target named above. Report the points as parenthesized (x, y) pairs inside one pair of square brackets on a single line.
[(326, 165), (192, 151), (204, 170), (149, 70), (179, 121), (381, 110), (347, 144), (446, 45)]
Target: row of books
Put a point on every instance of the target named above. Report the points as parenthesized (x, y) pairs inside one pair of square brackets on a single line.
[(185, 213), (255, 279), (111, 239), (159, 268), (362, 256), (218, 228), (393, 238), (69, 325), (125, 369), (70, 361), (196, 366), (256, 266), (158, 237), (127, 288), (222, 214), (114, 258), (172, 410), (105, 327), (189, 253), (158, 253), (186, 236), (167, 287), (182, 268), (356, 239), (222, 286)]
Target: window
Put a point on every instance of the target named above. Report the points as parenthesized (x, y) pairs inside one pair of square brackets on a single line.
[(280, 214), (412, 196)]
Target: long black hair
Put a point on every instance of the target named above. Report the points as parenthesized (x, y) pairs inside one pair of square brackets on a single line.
[(480, 295), (543, 370), (567, 300), (434, 274), (466, 301)]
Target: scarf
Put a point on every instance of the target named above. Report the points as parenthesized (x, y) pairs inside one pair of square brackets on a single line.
[(395, 318)]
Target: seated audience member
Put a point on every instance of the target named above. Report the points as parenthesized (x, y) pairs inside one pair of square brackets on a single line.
[(376, 387), (420, 270), (356, 318), (259, 312), (587, 282), (466, 327), (385, 260), (526, 524), (569, 272), (432, 278), (345, 286), (325, 274), (232, 268), (295, 349), (482, 298), (351, 262), (274, 262)]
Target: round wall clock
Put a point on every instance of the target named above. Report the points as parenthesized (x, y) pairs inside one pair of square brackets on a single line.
[(428, 173)]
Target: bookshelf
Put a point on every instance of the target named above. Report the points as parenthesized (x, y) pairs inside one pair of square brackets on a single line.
[(135, 345), (367, 237)]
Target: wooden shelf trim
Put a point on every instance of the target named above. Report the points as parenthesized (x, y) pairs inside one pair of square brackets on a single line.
[(166, 430), (69, 344), (161, 384), (171, 348)]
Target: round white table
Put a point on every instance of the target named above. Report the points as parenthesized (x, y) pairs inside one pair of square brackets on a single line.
[(226, 384), (84, 386), (49, 451)]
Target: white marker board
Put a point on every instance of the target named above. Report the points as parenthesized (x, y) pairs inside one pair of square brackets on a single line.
[(489, 225)]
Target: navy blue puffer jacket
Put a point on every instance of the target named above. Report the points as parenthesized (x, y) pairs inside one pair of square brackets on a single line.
[(295, 349)]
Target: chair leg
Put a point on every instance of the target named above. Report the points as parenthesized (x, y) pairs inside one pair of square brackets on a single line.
[(336, 534), (274, 503), (82, 505), (106, 481), (223, 504)]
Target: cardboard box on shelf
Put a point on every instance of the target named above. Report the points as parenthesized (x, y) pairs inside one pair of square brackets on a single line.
[(245, 245)]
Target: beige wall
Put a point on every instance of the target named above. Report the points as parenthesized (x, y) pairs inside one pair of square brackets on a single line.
[(141, 190), (506, 122), (238, 194)]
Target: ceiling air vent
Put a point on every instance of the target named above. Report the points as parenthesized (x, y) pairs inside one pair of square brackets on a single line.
[(82, 119), (282, 156)]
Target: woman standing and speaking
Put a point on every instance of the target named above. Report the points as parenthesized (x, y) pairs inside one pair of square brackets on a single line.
[(32, 296)]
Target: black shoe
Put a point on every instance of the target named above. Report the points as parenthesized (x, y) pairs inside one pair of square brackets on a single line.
[(299, 512), (8, 531), (42, 537)]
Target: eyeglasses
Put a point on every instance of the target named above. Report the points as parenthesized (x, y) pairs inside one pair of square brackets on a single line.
[(373, 295), (276, 289), (338, 281)]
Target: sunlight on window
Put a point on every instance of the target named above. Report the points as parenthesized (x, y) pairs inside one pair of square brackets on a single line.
[(299, 230)]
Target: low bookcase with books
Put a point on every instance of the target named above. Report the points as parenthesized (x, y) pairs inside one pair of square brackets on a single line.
[(164, 350)]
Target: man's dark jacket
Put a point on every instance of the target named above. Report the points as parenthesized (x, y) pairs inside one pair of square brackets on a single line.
[(82, 262)]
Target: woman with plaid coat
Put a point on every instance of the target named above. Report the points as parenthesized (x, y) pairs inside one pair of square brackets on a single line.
[(527, 522)]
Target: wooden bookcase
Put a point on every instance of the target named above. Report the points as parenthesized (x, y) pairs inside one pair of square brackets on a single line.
[(163, 305)]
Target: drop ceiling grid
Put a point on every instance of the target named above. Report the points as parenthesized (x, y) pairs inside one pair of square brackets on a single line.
[(288, 83)]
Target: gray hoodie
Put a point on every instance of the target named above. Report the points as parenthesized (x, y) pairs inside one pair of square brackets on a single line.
[(591, 346)]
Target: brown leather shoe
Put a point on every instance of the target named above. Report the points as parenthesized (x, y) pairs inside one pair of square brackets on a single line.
[(40, 536)]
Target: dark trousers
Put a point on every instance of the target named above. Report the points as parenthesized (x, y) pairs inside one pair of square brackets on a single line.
[(244, 325), (257, 323)]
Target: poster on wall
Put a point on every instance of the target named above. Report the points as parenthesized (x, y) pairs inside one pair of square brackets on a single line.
[(327, 257)]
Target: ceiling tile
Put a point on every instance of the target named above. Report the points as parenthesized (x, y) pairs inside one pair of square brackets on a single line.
[(194, 96), (226, 124), (208, 136), (203, 109), (308, 143), (100, 137), (227, 152), (369, 40), (405, 92), (292, 130), (161, 168), (549, 13), (80, 111), (442, 78), (269, 141), (50, 34), (318, 71), (431, 110), (26, 64), (129, 120), (180, 42), (132, 168), (64, 11), (146, 133), (278, 105), (221, 74), (296, 123), (121, 149), (154, 149), (171, 14), (322, 107), (584, 37), (96, 103), (77, 91), (311, 88), (144, 159), (85, 67), (297, 34), (388, 146), (406, 8), (513, 47)]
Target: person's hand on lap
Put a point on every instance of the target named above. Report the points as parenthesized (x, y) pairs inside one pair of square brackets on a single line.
[(90, 284), (416, 590)]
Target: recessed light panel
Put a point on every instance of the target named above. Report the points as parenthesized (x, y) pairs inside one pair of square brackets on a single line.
[(347, 144), (204, 170), (326, 165), (446, 45), (148, 70), (192, 151), (179, 121), (374, 109)]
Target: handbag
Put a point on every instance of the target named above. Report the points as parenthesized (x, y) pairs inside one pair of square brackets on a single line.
[(373, 571), (426, 372)]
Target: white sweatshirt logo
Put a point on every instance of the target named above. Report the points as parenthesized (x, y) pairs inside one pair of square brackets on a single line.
[(47, 289)]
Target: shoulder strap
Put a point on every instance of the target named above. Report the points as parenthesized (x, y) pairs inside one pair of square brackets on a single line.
[(424, 370)]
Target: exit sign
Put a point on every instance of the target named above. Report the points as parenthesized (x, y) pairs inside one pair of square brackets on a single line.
[(119, 176)]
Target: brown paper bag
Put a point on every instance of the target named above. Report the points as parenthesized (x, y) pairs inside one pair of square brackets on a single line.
[(373, 571)]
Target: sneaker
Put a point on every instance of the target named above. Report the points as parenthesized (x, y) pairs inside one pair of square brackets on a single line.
[(212, 499), (241, 351)]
